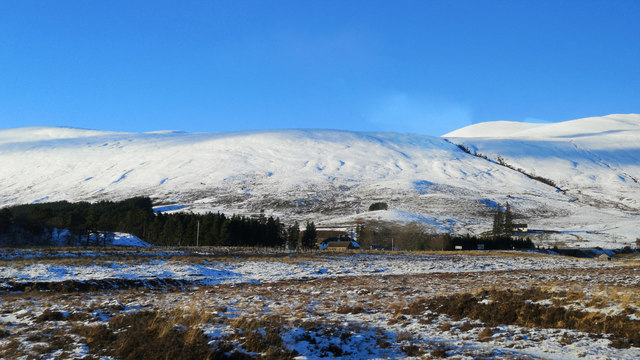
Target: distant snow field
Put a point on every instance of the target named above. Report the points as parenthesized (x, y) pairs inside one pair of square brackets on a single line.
[(331, 177), (216, 272)]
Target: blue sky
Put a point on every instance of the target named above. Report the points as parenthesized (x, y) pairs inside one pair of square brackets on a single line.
[(408, 66)]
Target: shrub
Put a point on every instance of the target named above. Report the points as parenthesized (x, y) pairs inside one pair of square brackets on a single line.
[(49, 315), (439, 352), (486, 334), (464, 148), (334, 349), (378, 206), (345, 309), (404, 336), (412, 350), (619, 343)]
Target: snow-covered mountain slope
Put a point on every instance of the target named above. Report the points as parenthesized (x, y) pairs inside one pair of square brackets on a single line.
[(592, 126), (333, 176), (596, 160)]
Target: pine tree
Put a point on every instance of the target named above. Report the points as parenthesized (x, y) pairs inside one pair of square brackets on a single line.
[(498, 222), (225, 234), (293, 233), (508, 220), (272, 232), (5, 220), (171, 231), (190, 230), (309, 236)]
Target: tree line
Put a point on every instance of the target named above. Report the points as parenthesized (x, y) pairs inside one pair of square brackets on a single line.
[(136, 216), (379, 235), (35, 224)]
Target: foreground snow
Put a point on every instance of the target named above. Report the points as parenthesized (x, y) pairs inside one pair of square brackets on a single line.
[(317, 306)]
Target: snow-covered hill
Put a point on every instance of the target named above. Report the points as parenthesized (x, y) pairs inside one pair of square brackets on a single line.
[(333, 176), (596, 160)]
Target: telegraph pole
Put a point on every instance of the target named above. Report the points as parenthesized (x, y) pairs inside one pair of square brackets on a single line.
[(198, 234)]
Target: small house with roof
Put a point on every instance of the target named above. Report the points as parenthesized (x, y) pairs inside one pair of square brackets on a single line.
[(341, 243), (520, 228)]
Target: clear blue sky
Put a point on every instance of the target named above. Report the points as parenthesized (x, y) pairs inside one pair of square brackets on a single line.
[(408, 66)]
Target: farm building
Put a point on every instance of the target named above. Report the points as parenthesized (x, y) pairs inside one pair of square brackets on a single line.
[(339, 244), (520, 228)]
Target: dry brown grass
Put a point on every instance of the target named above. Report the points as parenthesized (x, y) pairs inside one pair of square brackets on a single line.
[(486, 334), (146, 335), (623, 297), (519, 308), (11, 350), (466, 326), (404, 336), (412, 350), (446, 326), (439, 352), (346, 309), (262, 312), (504, 253), (263, 335)]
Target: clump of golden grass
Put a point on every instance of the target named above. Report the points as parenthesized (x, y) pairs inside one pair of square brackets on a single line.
[(404, 336), (412, 350), (346, 309), (486, 334), (149, 335), (464, 327), (520, 308), (439, 352), (11, 349)]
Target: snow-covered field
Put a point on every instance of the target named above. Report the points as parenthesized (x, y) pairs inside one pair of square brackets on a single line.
[(112, 303), (325, 267), (331, 177)]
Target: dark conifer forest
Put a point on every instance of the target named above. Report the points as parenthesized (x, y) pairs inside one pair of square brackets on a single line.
[(90, 223), (136, 216)]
